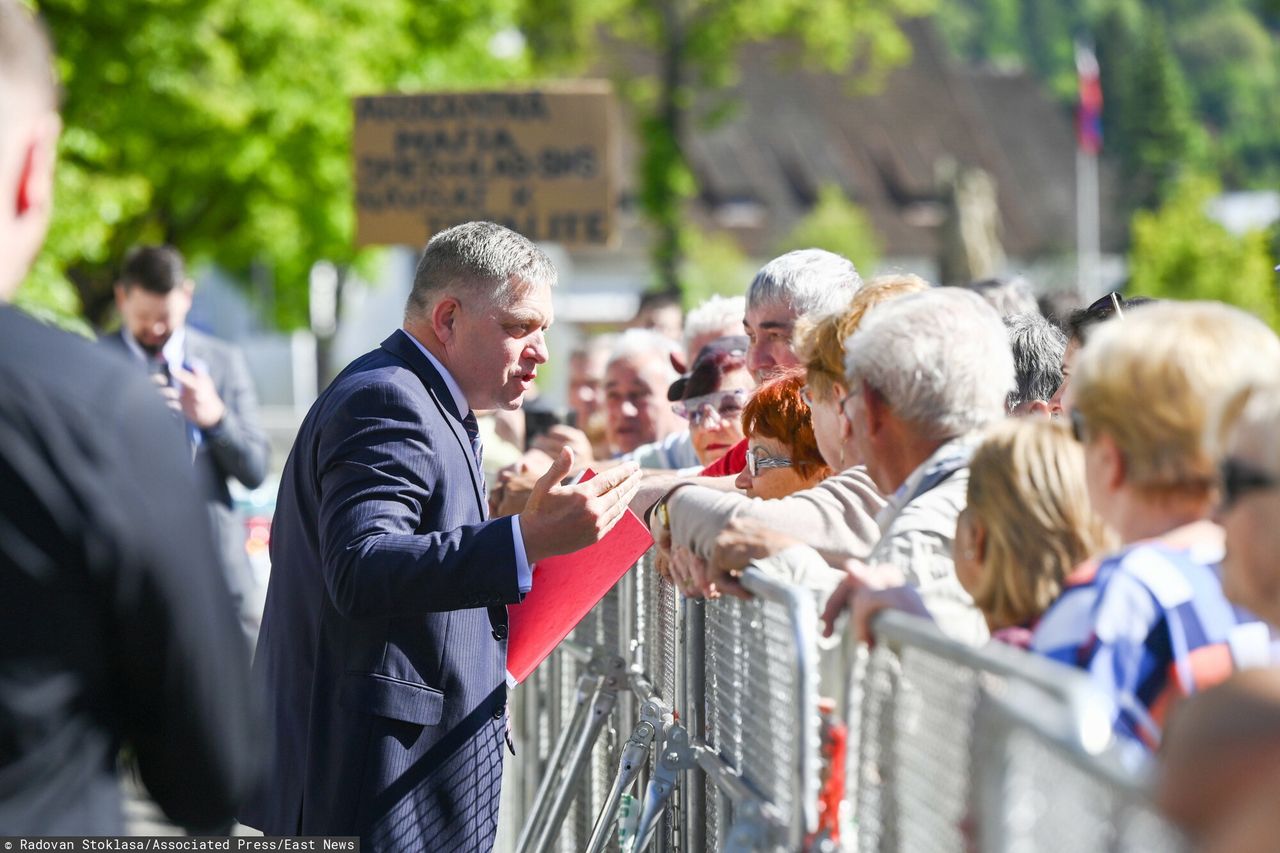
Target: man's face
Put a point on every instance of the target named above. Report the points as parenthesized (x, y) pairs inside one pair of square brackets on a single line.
[(769, 329), (495, 351), (636, 407), (586, 375), (152, 318)]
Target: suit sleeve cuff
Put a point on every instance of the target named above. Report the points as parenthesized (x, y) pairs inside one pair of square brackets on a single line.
[(524, 574)]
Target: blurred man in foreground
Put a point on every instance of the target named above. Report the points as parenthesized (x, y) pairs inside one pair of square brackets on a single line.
[(115, 623)]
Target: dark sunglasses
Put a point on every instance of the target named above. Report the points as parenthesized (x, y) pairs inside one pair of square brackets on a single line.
[(1238, 479), (1112, 303), (758, 461)]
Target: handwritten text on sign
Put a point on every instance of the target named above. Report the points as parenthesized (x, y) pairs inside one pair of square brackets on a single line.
[(540, 162)]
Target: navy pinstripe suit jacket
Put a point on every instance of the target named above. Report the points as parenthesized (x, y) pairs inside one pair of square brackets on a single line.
[(383, 645)]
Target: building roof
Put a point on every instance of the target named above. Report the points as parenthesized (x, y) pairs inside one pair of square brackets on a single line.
[(794, 130)]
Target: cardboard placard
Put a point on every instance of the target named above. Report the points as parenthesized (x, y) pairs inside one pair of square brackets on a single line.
[(542, 162)]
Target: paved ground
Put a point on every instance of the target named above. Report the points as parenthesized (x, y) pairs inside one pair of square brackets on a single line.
[(143, 817)]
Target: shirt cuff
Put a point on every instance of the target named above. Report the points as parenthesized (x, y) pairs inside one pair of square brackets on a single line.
[(524, 574)]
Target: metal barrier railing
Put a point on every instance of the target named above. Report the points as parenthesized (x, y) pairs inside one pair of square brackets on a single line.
[(700, 721), (1039, 790), (919, 700)]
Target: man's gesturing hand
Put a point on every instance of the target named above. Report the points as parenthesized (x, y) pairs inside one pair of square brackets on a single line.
[(563, 519)]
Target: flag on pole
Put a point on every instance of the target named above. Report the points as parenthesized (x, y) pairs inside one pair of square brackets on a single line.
[(1089, 109)]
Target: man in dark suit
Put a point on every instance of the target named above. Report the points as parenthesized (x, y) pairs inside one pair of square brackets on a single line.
[(115, 625), (206, 382), (383, 644)]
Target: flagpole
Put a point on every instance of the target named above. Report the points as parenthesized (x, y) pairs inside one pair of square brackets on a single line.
[(1088, 226), (1088, 201)]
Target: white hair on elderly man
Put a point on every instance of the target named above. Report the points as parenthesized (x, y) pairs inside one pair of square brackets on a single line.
[(811, 281), (715, 316), (940, 360), (646, 343)]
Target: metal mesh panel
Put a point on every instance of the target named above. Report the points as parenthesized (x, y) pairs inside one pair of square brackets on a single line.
[(1053, 799), (752, 689), (915, 725)]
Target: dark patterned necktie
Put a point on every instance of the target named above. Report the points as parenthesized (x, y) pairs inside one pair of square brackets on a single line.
[(477, 448)]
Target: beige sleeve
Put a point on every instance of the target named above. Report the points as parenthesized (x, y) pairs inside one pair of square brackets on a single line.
[(836, 517)]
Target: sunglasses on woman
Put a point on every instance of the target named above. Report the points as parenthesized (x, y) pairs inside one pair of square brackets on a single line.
[(1237, 479), (725, 405), (758, 460)]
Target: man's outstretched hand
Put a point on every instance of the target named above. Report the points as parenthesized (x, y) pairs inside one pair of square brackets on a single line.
[(563, 519)]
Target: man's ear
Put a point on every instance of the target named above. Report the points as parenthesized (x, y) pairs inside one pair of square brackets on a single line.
[(37, 157), (1115, 467), (444, 316), (121, 293), (875, 407), (978, 532)]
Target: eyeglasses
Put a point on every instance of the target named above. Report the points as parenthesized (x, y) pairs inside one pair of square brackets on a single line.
[(806, 396), (1238, 479), (1079, 427), (722, 405), (758, 460)]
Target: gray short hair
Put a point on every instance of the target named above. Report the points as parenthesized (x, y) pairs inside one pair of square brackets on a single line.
[(940, 359), (811, 281), (1037, 347), (1008, 296), (646, 343), (477, 258)]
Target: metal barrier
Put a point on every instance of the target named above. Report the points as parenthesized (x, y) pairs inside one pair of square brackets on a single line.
[(700, 720), (1038, 790)]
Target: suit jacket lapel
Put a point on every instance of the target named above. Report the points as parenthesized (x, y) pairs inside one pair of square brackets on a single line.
[(402, 348)]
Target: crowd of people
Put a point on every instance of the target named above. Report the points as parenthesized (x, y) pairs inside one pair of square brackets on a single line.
[(1100, 488)]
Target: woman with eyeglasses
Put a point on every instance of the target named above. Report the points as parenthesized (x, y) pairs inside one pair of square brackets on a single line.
[(713, 395), (1150, 622), (782, 453)]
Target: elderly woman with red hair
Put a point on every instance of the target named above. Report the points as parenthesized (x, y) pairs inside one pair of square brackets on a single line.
[(782, 453)]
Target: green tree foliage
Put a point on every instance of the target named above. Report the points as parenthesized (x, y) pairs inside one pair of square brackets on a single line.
[(1159, 136), (1214, 63), (713, 266), (688, 51), (1180, 253), (223, 127), (837, 225)]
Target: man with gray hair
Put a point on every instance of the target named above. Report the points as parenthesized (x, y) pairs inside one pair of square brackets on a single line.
[(639, 421), (1037, 346), (803, 283), (926, 372), (383, 646)]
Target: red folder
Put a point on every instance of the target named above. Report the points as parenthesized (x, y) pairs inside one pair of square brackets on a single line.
[(565, 588)]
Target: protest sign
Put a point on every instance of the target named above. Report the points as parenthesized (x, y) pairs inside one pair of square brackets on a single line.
[(543, 162)]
